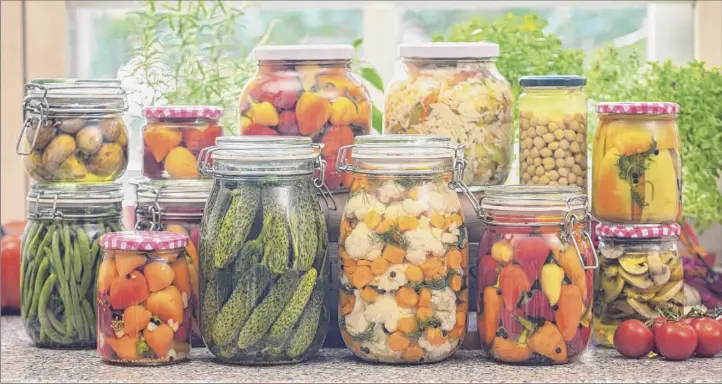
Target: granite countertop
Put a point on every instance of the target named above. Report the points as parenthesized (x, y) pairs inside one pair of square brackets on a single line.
[(21, 362)]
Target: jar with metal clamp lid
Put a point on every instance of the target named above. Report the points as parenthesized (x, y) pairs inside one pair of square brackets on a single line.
[(534, 276), (264, 266), (60, 258), (403, 249), (73, 130), (176, 207)]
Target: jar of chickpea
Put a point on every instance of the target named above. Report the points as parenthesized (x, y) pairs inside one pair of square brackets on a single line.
[(553, 131)]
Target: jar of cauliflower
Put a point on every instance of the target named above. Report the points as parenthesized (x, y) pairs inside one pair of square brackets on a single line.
[(403, 250), (455, 90)]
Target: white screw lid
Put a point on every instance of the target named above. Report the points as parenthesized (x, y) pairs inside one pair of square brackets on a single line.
[(449, 50), (303, 52)]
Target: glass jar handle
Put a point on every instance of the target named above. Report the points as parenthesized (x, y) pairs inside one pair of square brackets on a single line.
[(457, 180), (342, 164), (41, 110), (320, 181), (569, 223), (204, 157)]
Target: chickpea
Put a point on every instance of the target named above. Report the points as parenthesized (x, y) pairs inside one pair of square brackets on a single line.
[(569, 161), (582, 182), (528, 143), (564, 172), (522, 135), (548, 163), (527, 114), (574, 147), (568, 119), (537, 161), (559, 154), (553, 126), (525, 153), (534, 152), (574, 126), (543, 120), (580, 117), (569, 134), (549, 137), (563, 181), (559, 134), (533, 121), (579, 158), (553, 145), (553, 175), (525, 177), (541, 130), (579, 138), (577, 170), (553, 183), (560, 163), (539, 170), (530, 132), (572, 178), (559, 122), (564, 144), (539, 142), (523, 165), (535, 179), (524, 123), (543, 180), (545, 152), (529, 160), (530, 169)]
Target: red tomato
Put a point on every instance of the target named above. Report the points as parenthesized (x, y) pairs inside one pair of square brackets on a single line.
[(196, 139), (10, 279), (633, 339), (658, 322), (676, 340), (709, 336)]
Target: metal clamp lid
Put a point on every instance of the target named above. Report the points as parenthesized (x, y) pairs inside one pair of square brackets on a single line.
[(60, 201)]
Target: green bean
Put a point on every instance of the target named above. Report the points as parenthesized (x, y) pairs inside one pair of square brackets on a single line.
[(58, 325), (77, 261), (76, 317), (67, 258), (39, 280), (45, 324), (64, 290), (30, 236), (84, 254), (90, 316), (26, 294), (31, 249)]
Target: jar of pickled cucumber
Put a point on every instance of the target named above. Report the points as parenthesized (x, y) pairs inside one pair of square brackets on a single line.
[(535, 274), (73, 130), (636, 166), (144, 290), (264, 273), (176, 206), (403, 250), (60, 255), (640, 276), (553, 131)]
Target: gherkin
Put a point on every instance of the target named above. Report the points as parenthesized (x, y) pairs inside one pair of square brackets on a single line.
[(303, 225), (276, 248), (308, 325), (288, 318), (236, 224)]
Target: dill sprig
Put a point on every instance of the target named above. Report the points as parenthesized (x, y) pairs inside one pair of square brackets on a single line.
[(631, 167)]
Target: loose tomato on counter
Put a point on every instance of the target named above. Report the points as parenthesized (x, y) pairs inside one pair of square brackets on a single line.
[(10, 283), (307, 90)]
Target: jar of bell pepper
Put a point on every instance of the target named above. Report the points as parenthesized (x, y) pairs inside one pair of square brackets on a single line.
[(534, 277), (553, 131), (636, 166)]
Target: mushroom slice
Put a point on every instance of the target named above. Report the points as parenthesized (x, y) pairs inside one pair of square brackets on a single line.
[(690, 296), (668, 292), (620, 309), (612, 253), (676, 272), (612, 287), (635, 264), (611, 271), (666, 257), (642, 308), (639, 296), (659, 271), (641, 282)]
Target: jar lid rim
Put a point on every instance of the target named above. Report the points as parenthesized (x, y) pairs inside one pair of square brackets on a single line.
[(533, 198), (170, 191), (449, 50), (552, 81), (303, 52), (72, 193)]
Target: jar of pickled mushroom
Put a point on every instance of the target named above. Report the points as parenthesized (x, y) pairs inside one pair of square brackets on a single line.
[(455, 90), (176, 206), (264, 266), (60, 255), (311, 91), (640, 276), (173, 135), (144, 316), (403, 250), (73, 130), (636, 166), (553, 131), (534, 277)]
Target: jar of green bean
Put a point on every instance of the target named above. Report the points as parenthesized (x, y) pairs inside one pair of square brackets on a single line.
[(60, 259)]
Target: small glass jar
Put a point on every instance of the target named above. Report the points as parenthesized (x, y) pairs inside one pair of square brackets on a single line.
[(60, 256), (174, 135), (264, 266), (73, 130), (553, 131), (144, 316), (640, 276), (636, 166), (534, 277), (403, 250), (311, 91), (455, 90), (176, 206)]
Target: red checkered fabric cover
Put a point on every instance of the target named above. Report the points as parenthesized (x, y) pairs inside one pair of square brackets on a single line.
[(143, 240)]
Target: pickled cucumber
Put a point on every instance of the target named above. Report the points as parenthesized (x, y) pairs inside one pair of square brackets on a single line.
[(287, 319), (305, 333), (236, 224), (306, 239), (276, 250)]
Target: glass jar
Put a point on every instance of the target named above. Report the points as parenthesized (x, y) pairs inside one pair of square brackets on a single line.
[(307, 90), (534, 277), (174, 135), (403, 250), (455, 90), (636, 166), (73, 130), (640, 276), (60, 257), (144, 315), (264, 266), (176, 206), (553, 131)]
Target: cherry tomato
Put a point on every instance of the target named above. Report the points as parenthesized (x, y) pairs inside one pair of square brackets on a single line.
[(676, 340), (633, 339), (658, 322), (709, 336)]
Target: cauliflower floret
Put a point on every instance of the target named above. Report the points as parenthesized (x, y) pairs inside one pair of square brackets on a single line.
[(356, 322), (377, 346), (437, 352), (361, 244), (385, 310), (395, 210), (361, 204), (415, 207), (443, 304), (444, 202), (436, 201), (453, 204), (424, 222), (392, 279), (389, 190), (421, 243), (437, 232), (449, 238)]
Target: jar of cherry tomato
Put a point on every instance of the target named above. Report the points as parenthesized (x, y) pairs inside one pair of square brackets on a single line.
[(534, 278), (307, 90), (174, 135)]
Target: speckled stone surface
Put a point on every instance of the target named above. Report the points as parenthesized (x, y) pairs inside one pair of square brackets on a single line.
[(21, 362)]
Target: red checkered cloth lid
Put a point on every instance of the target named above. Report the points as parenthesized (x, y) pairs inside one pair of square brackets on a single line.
[(183, 112), (638, 231), (143, 240), (638, 108)]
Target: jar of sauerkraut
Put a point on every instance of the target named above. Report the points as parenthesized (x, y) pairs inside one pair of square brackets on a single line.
[(455, 90)]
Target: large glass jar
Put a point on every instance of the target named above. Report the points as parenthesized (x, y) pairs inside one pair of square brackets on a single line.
[(60, 258), (640, 276), (534, 277), (636, 166), (553, 131), (264, 266), (174, 135), (73, 130), (307, 90), (143, 293), (455, 90), (403, 250), (176, 206)]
